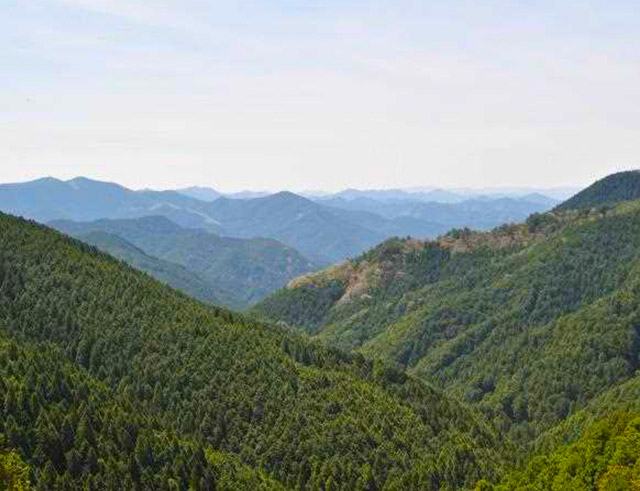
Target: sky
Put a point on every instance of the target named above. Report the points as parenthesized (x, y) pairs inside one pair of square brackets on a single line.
[(307, 95)]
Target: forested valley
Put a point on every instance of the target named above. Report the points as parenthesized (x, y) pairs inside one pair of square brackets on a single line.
[(497, 360)]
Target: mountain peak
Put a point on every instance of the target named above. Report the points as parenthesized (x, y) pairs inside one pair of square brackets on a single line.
[(287, 196), (202, 193), (615, 188)]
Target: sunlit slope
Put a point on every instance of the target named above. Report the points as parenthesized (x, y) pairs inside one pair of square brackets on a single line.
[(211, 380), (529, 322)]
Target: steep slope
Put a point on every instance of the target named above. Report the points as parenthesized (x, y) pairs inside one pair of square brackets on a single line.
[(596, 448), (201, 377), (172, 274), (241, 271), (528, 322), (605, 457), (615, 188), (77, 432)]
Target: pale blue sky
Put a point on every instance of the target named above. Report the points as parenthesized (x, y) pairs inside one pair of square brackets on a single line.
[(309, 95)]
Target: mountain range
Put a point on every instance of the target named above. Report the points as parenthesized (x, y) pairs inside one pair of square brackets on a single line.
[(495, 360), (528, 323), (324, 231), (110, 380), (235, 272), (420, 194)]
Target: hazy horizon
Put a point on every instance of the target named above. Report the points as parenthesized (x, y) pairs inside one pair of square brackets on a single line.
[(553, 191), (332, 95)]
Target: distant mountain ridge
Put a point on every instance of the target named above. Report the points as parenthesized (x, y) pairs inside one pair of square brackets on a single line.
[(325, 230), (201, 193), (236, 272), (324, 234), (478, 213), (83, 199)]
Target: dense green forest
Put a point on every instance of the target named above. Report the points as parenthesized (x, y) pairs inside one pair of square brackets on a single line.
[(528, 322), (622, 186), (606, 457), (172, 274), (226, 271), (110, 380), (504, 360)]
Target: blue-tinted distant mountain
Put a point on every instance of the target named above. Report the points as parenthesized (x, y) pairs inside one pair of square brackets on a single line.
[(238, 271), (319, 232), (557, 193), (325, 230), (83, 199), (247, 194), (201, 193), (453, 195), (438, 195), (481, 213), (538, 198), (210, 194)]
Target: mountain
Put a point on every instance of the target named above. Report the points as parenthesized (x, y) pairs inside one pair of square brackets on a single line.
[(599, 447), (527, 322), (623, 186), (83, 199), (322, 234), (437, 218), (431, 195), (172, 274), (199, 192), (110, 380), (606, 456), (331, 230), (247, 194), (550, 196), (541, 199), (238, 272), (326, 230)]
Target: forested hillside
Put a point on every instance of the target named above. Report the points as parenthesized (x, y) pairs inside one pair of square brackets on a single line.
[(235, 272), (167, 272), (623, 186), (596, 448), (528, 322), (110, 380)]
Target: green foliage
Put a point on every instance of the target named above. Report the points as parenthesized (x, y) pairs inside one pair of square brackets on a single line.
[(528, 323), (76, 431), (111, 380), (307, 305), (14, 473), (234, 272), (606, 457), (623, 186), (167, 272)]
